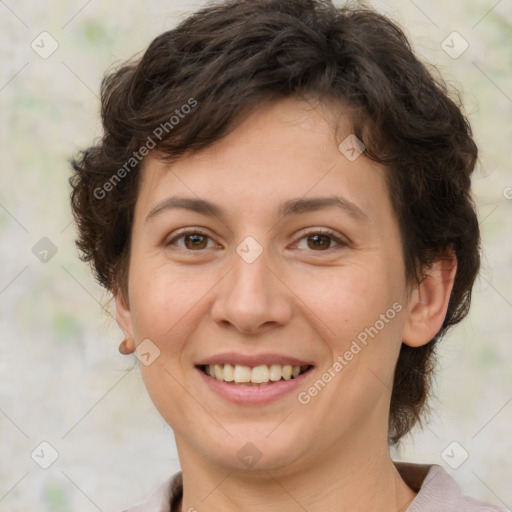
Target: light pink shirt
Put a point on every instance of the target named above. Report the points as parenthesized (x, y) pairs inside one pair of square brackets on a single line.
[(437, 492)]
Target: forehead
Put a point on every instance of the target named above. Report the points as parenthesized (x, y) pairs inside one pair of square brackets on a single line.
[(283, 151)]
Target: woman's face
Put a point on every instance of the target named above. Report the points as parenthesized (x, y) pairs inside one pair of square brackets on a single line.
[(268, 277)]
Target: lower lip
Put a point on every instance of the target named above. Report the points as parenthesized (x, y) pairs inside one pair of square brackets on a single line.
[(241, 394)]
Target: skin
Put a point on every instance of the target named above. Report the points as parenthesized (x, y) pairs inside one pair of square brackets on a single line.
[(298, 298)]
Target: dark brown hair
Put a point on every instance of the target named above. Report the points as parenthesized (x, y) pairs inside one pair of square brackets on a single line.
[(227, 59)]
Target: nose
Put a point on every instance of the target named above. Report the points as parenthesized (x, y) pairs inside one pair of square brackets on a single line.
[(252, 297)]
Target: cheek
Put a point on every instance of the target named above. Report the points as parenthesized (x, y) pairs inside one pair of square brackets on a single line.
[(358, 308), (347, 296), (165, 309), (162, 303)]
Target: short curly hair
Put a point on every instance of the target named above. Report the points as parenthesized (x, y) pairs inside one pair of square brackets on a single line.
[(228, 58)]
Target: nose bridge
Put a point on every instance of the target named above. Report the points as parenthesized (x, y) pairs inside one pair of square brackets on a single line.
[(251, 295), (250, 270)]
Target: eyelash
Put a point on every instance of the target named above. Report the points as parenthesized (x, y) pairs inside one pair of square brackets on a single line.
[(325, 232)]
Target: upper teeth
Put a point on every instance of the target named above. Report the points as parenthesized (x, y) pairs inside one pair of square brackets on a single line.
[(258, 374)]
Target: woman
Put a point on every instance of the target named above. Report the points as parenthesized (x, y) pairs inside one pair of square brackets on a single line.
[(281, 207)]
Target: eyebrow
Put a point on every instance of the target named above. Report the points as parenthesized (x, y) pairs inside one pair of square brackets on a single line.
[(290, 207)]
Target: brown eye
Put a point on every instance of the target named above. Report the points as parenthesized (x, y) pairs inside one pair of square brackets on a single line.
[(195, 241), (319, 242), (192, 241)]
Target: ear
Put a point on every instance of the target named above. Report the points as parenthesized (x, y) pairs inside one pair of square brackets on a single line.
[(428, 304), (123, 315)]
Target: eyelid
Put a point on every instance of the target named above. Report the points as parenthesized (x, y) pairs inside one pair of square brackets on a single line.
[(184, 232), (323, 231)]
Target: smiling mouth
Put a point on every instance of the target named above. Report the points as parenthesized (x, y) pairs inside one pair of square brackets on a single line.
[(261, 375)]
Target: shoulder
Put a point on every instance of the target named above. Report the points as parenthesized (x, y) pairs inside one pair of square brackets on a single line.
[(438, 491), (162, 498)]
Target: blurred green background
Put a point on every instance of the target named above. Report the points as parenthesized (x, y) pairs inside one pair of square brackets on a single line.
[(62, 379)]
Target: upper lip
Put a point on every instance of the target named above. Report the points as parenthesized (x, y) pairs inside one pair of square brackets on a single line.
[(233, 359)]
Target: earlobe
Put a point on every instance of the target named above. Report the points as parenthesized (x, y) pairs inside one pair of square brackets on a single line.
[(127, 346), (429, 302)]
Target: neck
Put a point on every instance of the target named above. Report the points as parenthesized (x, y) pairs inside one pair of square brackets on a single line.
[(363, 478)]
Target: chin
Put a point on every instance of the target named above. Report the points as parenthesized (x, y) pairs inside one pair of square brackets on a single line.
[(256, 451)]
